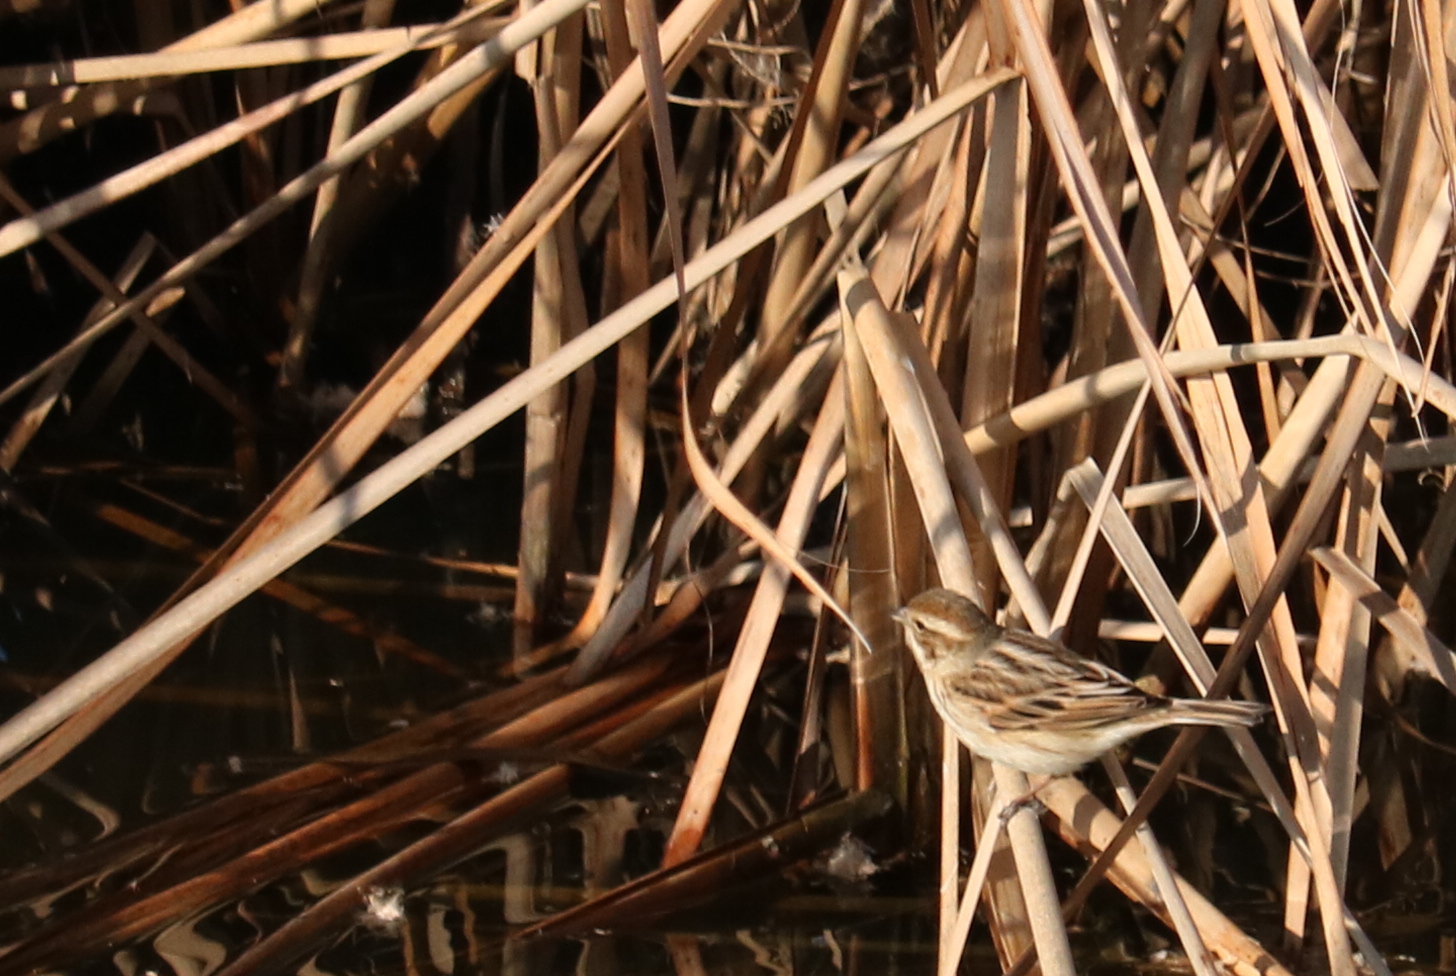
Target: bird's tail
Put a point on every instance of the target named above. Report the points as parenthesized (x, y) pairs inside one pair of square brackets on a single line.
[(1190, 711)]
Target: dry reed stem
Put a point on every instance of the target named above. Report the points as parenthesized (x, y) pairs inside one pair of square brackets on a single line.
[(875, 678), (949, 899), (711, 765), (1079, 396), (783, 400), (557, 313), (566, 81), (1078, 178), (996, 328), (142, 318), (1428, 653), (1249, 533), (84, 105), (1110, 518), (643, 18), (818, 119), (948, 963), (1298, 538), (480, 61), (686, 953), (738, 243), (1337, 680), (259, 54), (298, 597), (49, 391), (26, 230), (348, 116), (1144, 574), (628, 259), (1166, 883), (914, 430), (1088, 825)]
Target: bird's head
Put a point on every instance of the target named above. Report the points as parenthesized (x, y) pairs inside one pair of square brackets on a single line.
[(939, 623)]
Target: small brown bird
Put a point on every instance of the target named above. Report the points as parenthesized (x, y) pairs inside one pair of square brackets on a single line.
[(1028, 702)]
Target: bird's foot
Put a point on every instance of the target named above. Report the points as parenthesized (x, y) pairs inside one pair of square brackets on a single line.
[(1026, 801)]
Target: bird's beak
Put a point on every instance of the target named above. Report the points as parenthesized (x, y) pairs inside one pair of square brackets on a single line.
[(901, 617)]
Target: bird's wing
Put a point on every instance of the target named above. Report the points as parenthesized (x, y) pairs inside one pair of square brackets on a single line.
[(1027, 682)]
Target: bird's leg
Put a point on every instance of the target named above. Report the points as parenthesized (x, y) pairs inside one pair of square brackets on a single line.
[(1026, 801)]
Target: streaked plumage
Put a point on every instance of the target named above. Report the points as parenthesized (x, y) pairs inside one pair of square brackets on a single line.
[(1029, 702)]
